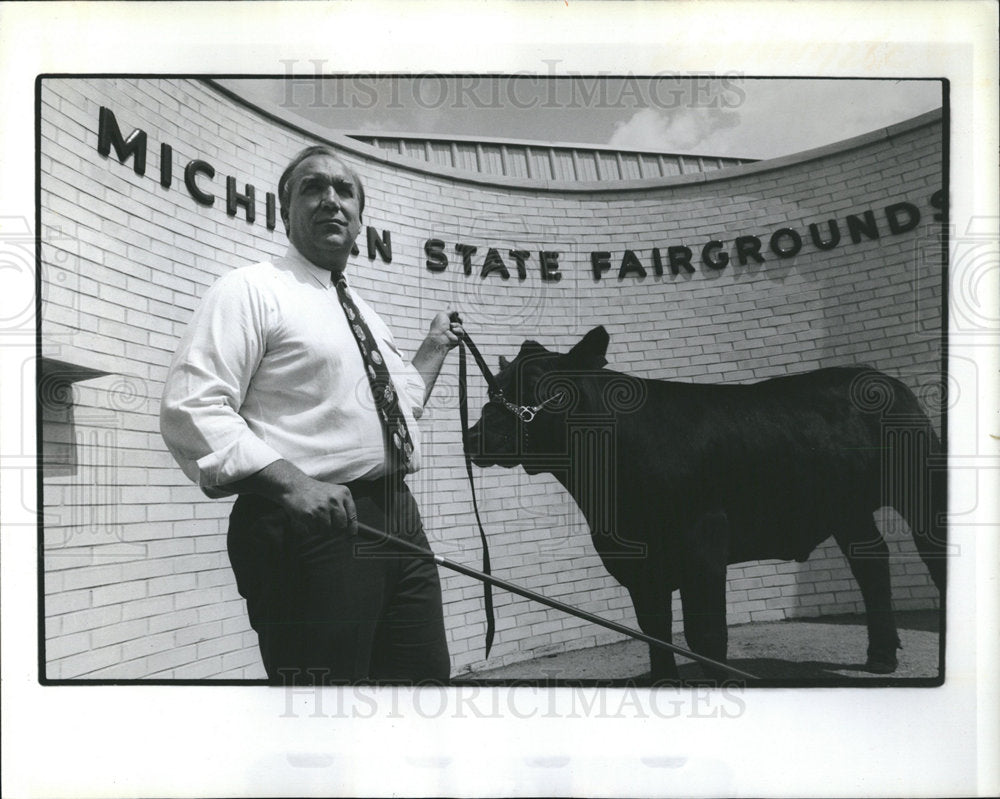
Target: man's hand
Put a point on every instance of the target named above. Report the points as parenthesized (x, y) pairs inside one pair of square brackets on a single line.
[(446, 330), (311, 504), (317, 506)]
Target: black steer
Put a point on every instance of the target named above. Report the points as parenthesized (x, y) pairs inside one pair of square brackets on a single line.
[(677, 480)]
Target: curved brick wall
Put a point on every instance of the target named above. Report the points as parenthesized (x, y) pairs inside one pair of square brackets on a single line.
[(137, 581)]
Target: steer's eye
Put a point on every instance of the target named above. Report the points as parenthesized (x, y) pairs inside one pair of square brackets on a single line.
[(508, 383)]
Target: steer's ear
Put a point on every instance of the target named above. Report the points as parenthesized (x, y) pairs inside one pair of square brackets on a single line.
[(504, 363), (590, 350)]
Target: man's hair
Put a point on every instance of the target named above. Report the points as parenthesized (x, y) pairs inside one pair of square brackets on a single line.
[(308, 152)]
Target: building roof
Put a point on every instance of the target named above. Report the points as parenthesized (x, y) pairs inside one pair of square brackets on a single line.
[(570, 163)]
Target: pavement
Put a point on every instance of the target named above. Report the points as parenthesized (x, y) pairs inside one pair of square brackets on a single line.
[(828, 650)]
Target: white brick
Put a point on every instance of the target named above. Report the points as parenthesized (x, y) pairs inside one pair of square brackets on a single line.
[(66, 645), (117, 633), (84, 664)]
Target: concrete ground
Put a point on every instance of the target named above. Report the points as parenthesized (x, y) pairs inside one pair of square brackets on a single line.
[(825, 650)]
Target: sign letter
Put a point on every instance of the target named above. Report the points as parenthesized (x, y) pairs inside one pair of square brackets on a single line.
[(109, 134)]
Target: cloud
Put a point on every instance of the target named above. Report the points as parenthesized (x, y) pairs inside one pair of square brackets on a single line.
[(672, 130)]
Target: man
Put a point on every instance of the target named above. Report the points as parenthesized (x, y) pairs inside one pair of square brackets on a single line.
[(280, 393)]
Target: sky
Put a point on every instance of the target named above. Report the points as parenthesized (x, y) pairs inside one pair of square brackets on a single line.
[(720, 116)]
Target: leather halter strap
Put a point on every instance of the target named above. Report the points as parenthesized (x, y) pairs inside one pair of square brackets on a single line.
[(463, 413), (523, 412)]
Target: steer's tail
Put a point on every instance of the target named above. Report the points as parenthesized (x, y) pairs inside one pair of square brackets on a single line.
[(914, 479)]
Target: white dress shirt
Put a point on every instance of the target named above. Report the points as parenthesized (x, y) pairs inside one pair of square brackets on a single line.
[(269, 369)]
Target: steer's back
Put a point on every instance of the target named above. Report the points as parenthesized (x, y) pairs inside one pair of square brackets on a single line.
[(788, 459)]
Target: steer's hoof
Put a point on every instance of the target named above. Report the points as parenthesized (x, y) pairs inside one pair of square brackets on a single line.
[(881, 665)]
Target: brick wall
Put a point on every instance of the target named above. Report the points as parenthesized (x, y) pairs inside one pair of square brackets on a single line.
[(137, 581)]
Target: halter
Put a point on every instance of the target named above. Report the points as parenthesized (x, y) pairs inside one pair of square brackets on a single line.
[(526, 413), (523, 412)]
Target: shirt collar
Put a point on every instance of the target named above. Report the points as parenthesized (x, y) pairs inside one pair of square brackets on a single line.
[(298, 261)]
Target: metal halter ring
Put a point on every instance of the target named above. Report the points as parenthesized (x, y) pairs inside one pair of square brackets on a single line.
[(523, 412)]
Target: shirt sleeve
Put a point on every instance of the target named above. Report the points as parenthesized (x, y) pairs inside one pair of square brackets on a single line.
[(415, 388), (207, 383)]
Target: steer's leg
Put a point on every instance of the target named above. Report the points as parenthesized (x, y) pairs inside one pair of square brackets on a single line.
[(703, 588), (651, 599), (869, 559)]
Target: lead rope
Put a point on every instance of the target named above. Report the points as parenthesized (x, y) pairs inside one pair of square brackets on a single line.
[(463, 413)]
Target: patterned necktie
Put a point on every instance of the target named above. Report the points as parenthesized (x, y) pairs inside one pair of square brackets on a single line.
[(383, 391)]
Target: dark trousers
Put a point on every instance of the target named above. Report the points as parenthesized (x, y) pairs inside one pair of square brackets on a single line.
[(328, 608)]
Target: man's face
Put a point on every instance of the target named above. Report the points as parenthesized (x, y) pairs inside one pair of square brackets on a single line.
[(322, 213)]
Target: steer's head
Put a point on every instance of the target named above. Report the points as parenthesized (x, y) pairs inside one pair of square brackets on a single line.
[(527, 425)]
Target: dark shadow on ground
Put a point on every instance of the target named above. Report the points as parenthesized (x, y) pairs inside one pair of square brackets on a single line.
[(810, 672), (926, 620), (827, 651)]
